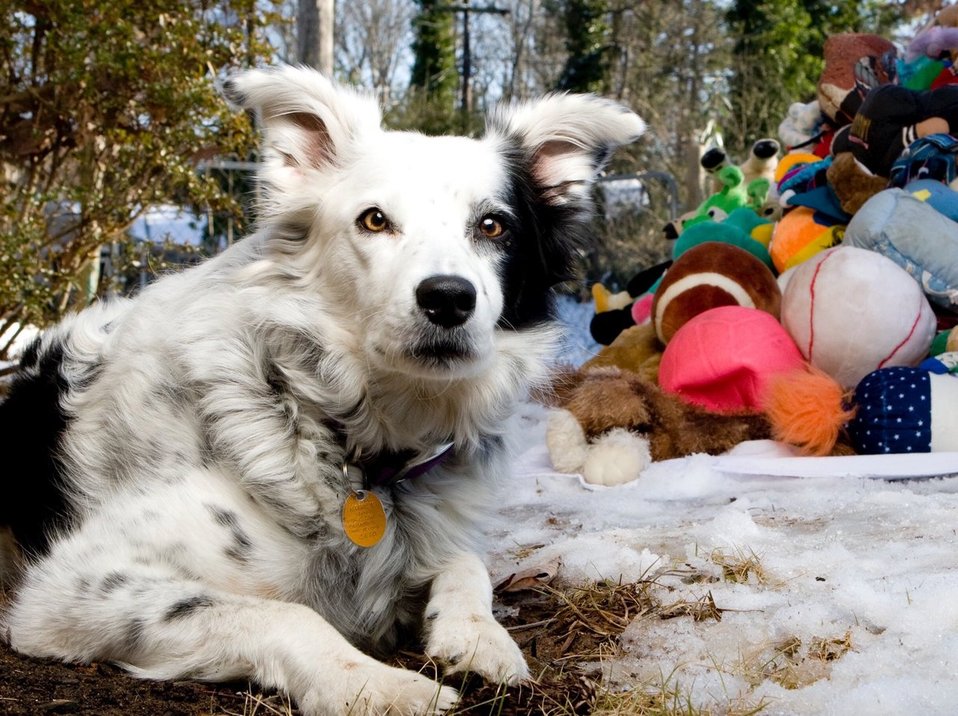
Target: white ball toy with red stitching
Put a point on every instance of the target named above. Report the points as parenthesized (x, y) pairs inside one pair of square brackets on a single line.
[(852, 311)]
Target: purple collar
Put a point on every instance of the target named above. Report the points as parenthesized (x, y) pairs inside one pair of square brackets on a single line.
[(390, 468)]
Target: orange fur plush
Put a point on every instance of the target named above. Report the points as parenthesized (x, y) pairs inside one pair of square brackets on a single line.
[(610, 424)]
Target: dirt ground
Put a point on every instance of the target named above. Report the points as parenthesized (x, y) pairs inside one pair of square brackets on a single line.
[(551, 644)]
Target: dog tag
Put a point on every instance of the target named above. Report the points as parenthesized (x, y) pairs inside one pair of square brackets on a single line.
[(364, 519)]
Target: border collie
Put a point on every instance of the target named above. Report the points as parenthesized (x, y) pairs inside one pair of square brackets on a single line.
[(276, 464)]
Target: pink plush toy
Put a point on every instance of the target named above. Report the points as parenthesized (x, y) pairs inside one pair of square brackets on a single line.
[(723, 359), (852, 311)]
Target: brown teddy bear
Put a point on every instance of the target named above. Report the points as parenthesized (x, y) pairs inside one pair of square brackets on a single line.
[(609, 424)]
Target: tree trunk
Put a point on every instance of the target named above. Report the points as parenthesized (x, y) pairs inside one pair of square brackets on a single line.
[(315, 20)]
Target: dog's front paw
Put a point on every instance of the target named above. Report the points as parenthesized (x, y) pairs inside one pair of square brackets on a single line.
[(476, 643), (374, 689)]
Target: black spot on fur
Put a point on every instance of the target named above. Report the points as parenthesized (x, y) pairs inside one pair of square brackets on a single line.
[(241, 545), (187, 607), (546, 239), (112, 581), (32, 423)]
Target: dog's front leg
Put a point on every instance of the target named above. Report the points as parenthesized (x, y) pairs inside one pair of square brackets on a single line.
[(462, 633), (167, 628)]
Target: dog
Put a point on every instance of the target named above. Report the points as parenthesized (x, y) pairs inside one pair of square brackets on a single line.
[(277, 464)]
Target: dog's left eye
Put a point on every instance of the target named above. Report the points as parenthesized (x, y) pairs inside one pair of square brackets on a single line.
[(491, 227), (373, 220)]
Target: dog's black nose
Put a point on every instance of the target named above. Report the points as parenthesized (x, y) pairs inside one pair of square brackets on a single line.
[(447, 301)]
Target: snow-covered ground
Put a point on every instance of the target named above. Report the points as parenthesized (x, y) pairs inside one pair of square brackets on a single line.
[(847, 602)]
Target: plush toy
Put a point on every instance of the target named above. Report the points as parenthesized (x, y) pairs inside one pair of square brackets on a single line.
[(636, 349), (852, 182), (791, 163), (722, 359), (890, 118), (943, 356), (941, 197), (851, 311), (742, 228), (801, 234), (617, 311), (915, 236), (803, 126), (709, 275), (735, 193), (610, 424), (854, 64), (932, 157), (898, 409), (761, 162)]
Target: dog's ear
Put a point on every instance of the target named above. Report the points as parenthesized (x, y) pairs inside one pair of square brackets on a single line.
[(568, 139), (308, 121)]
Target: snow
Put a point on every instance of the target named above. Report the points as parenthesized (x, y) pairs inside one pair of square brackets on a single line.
[(864, 566)]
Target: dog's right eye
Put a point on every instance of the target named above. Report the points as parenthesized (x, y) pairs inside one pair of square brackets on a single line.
[(373, 220)]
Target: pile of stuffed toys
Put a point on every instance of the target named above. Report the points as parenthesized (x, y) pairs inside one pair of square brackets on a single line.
[(812, 298)]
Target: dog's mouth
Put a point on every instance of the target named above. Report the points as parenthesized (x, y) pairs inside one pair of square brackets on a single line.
[(441, 352)]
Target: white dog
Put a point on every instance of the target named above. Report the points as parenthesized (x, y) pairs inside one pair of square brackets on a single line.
[(276, 464)]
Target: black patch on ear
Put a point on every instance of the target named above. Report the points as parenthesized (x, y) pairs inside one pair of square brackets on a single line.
[(546, 240), (233, 93), (32, 422)]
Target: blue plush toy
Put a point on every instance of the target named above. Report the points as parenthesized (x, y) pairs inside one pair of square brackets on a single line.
[(903, 409), (912, 233)]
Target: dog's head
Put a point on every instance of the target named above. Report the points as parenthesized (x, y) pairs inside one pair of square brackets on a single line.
[(433, 249)]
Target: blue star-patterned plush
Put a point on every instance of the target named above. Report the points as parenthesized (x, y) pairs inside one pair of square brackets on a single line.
[(903, 409)]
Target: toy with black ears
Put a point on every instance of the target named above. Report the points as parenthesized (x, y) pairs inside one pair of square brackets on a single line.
[(728, 195), (761, 162)]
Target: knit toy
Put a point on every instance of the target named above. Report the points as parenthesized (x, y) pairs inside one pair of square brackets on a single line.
[(852, 311)]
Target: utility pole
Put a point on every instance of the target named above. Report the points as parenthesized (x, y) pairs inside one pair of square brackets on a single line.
[(466, 9)]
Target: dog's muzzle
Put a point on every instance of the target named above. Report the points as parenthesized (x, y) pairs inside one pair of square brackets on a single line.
[(447, 301)]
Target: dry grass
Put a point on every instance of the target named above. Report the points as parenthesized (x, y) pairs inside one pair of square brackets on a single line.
[(741, 567), (590, 619), (666, 697), (792, 663)]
